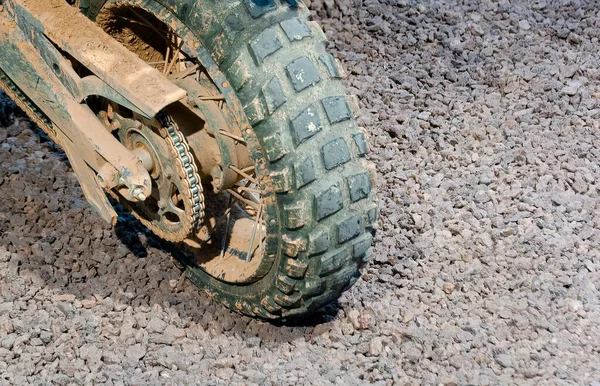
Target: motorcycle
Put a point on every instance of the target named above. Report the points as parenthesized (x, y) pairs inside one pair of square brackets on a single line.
[(222, 126)]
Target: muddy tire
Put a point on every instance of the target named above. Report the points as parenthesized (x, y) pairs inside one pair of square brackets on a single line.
[(274, 59)]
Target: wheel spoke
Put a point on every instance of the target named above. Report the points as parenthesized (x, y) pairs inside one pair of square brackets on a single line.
[(256, 222), (165, 35), (243, 199), (244, 174), (166, 62), (232, 136), (260, 238), (210, 232), (228, 213), (150, 25), (246, 189), (213, 98), (176, 57), (137, 22), (187, 72)]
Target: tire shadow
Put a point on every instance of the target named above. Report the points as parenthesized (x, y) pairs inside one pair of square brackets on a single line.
[(58, 243)]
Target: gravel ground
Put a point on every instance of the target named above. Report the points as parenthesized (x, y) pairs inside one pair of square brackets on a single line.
[(484, 122)]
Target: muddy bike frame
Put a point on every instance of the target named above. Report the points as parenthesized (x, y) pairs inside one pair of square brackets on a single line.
[(37, 52)]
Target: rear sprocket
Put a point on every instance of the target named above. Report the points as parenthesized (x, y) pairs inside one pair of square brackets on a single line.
[(175, 208)]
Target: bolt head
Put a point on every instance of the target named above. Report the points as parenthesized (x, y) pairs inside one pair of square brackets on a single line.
[(141, 196), (138, 194)]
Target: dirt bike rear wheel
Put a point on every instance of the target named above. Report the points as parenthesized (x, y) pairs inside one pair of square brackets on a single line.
[(269, 62)]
